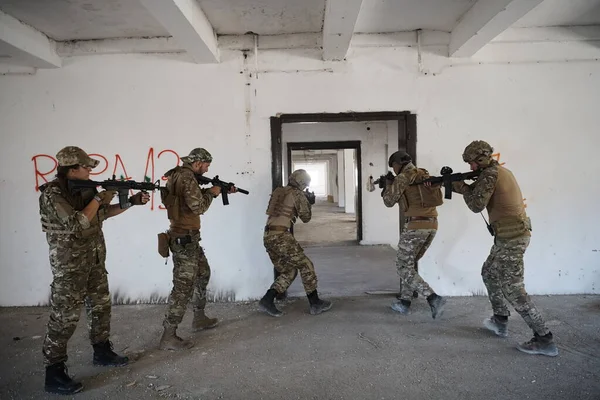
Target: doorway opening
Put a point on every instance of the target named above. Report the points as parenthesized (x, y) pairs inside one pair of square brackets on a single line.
[(337, 240), (335, 170)]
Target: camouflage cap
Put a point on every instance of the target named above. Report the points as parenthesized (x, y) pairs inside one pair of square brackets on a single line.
[(401, 157), (73, 155), (477, 151), (198, 154), (300, 179)]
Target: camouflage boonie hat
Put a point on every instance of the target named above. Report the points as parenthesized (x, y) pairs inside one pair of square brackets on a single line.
[(300, 179), (477, 151), (198, 154), (73, 155)]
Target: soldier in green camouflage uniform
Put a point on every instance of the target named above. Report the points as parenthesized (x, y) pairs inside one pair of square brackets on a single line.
[(73, 221), (497, 190), (185, 202), (286, 204), (420, 226)]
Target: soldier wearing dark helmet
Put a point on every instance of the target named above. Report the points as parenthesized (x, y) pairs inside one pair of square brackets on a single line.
[(497, 190), (419, 204), (286, 204)]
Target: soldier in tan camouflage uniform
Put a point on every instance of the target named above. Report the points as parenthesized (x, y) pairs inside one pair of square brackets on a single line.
[(497, 190), (185, 202), (420, 226), (73, 221), (286, 204)]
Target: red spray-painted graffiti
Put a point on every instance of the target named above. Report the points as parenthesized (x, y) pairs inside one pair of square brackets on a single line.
[(497, 157), (45, 167)]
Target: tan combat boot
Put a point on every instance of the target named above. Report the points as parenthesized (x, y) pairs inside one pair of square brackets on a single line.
[(170, 341), (201, 321)]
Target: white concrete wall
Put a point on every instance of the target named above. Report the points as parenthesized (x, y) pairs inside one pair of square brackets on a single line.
[(349, 178), (541, 118)]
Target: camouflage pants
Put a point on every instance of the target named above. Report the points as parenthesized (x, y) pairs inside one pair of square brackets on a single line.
[(288, 259), (191, 274), (502, 274), (412, 246), (79, 275)]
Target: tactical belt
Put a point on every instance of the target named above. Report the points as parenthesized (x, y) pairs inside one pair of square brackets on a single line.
[(432, 219), (180, 231), (279, 228)]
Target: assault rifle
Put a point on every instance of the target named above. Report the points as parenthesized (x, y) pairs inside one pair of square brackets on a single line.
[(381, 182), (225, 186), (122, 187), (310, 196), (447, 178)]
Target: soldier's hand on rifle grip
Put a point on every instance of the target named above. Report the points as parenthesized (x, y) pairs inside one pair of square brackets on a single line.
[(233, 189), (106, 196), (139, 198), (215, 191)]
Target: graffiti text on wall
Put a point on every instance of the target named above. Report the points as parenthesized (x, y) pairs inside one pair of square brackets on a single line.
[(45, 165)]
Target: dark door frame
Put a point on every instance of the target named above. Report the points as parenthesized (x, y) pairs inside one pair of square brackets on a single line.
[(407, 134), (337, 145)]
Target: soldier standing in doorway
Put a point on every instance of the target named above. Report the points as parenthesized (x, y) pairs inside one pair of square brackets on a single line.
[(497, 190), (185, 202), (286, 204), (73, 221), (419, 203)]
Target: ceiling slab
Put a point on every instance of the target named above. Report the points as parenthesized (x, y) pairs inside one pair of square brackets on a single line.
[(408, 15), (85, 19), (264, 17), (562, 13)]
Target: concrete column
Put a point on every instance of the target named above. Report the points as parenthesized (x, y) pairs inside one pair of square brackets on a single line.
[(341, 179), (332, 174), (349, 184)]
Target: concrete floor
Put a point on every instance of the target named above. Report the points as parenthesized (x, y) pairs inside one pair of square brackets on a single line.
[(329, 226), (351, 270), (358, 350)]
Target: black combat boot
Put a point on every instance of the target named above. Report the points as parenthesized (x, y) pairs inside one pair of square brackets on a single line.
[(267, 304), (437, 305), (105, 356), (317, 306), (543, 345), (58, 381)]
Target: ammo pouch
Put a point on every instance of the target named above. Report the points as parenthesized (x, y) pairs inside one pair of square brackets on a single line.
[(163, 244), (511, 227)]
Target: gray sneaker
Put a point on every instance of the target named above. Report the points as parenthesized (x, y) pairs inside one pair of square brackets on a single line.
[(539, 345), (400, 308), (498, 327)]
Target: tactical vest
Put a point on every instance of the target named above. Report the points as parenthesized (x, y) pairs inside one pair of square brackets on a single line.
[(179, 214), (419, 200), (78, 202), (506, 208), (281, 207)]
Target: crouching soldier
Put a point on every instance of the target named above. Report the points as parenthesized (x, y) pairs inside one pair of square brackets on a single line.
[(286, 204)]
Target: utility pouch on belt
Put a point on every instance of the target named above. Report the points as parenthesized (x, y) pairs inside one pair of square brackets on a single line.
[(511, 227), (163, 244)]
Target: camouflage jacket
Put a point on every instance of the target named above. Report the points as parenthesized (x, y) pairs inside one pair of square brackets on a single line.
[(393, 193), (65, 224), (477, 195)]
